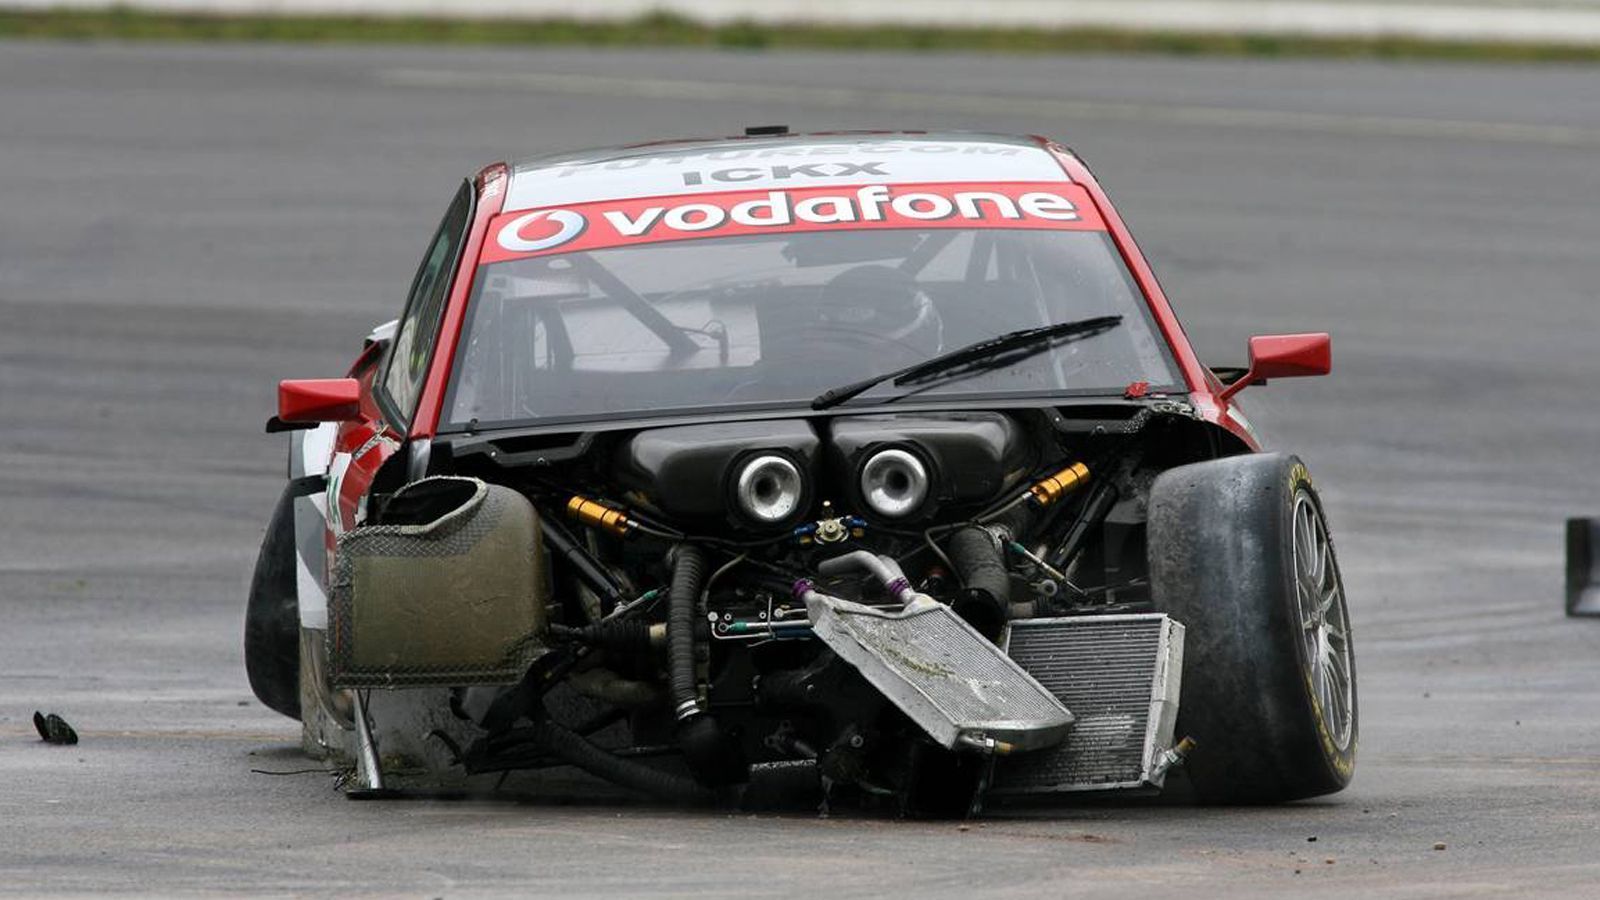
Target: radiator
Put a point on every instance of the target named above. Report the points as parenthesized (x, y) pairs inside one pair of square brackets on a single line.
[(1119, 675)]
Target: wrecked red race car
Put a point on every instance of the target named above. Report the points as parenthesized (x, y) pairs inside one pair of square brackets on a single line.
[(852, 467)]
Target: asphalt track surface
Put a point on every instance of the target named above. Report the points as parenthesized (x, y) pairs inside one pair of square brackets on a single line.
[(182, 226)]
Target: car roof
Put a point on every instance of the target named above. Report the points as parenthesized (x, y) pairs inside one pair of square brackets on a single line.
[(760, 162)]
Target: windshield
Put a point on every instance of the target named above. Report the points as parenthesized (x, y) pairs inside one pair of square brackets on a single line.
[(771, 320)]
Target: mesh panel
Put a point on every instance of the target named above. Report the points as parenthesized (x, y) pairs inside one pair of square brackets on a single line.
[(456, 600)]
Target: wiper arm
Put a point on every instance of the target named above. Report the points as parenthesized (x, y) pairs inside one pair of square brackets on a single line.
[(1017, 344)]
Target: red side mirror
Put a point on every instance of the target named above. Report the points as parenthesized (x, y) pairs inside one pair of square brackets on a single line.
[(1284, 356), (319, 399)]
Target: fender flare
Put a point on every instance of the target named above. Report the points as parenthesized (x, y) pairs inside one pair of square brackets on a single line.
[(310, 459)]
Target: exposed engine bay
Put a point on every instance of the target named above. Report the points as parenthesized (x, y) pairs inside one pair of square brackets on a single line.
[(916, 611)]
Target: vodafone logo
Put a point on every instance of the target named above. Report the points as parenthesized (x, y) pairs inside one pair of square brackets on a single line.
[(618, 223), (873, 203), (555, 227)]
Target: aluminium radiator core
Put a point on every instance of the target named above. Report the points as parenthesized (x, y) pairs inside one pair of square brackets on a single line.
[(945, 676), (1120, 675)]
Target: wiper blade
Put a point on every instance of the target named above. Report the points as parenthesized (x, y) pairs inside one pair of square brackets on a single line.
[(1015, 345), (1030, 340)]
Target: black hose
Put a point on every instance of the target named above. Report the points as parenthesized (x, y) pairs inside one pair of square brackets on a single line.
[(562, 743), (713, 756), (688, 574), (979, 561), (626, 637)]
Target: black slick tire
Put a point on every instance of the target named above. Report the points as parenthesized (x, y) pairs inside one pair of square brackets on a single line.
[(1223, 561), (272, 617)]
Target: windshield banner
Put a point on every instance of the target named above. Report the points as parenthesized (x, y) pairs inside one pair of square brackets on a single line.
[(620, 223)]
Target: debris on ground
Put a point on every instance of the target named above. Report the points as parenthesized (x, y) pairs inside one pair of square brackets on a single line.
[(1439, 846), (53, 729)]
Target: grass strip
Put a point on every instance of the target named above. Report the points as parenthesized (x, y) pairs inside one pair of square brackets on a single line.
[(667, 30)]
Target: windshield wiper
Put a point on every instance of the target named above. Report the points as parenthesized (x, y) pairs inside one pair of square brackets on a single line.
[(1002, 350)]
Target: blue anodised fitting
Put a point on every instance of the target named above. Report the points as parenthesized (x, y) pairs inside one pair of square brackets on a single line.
[(801, 588)]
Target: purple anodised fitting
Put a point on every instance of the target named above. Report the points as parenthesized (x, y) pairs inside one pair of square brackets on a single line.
[(801, 588), (898, 587)]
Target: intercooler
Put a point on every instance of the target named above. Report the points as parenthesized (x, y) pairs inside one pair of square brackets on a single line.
[(941, 673), (1119, 675)]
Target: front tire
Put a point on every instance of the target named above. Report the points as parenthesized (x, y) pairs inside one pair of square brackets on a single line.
[(1240, 554), (272, 617)]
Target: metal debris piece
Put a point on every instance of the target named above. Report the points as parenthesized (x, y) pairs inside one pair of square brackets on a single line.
[(945, 676), (53, 729), (1583, 567)]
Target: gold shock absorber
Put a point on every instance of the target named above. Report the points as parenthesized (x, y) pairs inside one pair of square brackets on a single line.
[(1059, 485), (598, 515)]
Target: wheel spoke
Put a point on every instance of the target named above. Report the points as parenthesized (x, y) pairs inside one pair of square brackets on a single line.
[(1305, 543), (1336, 679), (1305, 602), (1340, 666), (1337, 710), (1325, 691), (1319, 550)]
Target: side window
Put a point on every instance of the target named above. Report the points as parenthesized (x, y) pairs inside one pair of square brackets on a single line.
[(419, 328)]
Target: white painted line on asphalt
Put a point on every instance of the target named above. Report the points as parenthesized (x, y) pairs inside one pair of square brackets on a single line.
[(1043, 108)]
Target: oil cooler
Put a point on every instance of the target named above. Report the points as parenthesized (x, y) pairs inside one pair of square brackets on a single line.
[(448, 588)]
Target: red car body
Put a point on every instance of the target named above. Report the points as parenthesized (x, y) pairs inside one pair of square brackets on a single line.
[(371, 438), (706, 439)]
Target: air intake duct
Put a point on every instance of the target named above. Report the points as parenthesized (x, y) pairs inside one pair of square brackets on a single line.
[(986, 596)]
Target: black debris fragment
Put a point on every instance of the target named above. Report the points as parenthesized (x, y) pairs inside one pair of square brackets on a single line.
[(53, 729)]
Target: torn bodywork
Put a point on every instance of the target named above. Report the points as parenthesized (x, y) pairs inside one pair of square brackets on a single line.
[(992, 638)]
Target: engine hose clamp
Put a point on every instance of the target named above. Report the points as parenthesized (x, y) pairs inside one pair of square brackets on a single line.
[(1000, 534), (688, 709)]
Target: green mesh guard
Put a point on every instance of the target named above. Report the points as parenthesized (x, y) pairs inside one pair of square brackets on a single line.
[(458, 599)]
